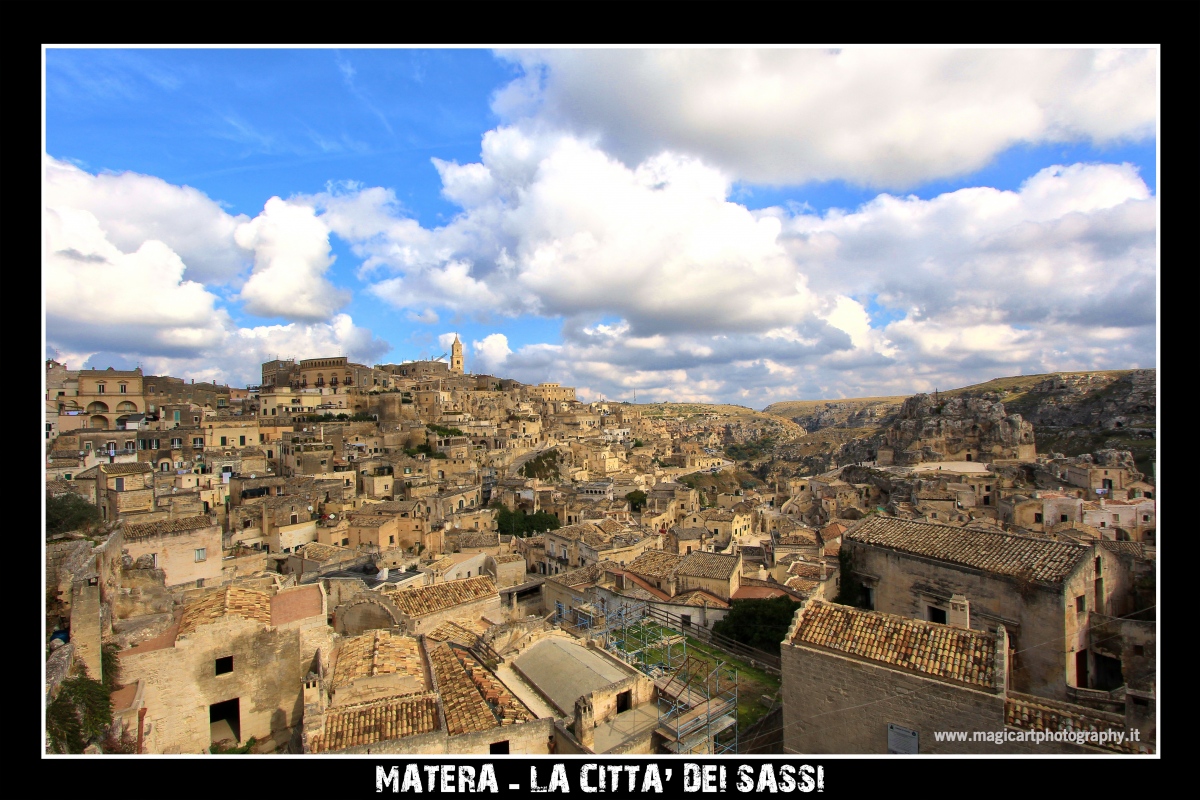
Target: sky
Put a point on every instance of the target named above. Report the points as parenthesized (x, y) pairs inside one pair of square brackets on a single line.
[(705, 225)]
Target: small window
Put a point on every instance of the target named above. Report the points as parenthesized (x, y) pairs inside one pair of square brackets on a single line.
[(1139, 650), (498, 748), (1145, 517), (224, 441), (1081, 603), (242, 441), (937, 615), (224, 665), (1037, 519), (1098, 562), (1063, 518), (201, 553)]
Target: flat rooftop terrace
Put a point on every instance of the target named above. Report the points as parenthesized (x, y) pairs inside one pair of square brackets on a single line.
[(563, 671)]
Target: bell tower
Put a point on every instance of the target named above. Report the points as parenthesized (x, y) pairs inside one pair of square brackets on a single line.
[(456, 356)]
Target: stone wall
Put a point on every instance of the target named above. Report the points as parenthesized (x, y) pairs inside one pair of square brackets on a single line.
[(181, 684), (177, 555)]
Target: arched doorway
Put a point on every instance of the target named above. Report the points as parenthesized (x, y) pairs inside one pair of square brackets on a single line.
[(99, 422)]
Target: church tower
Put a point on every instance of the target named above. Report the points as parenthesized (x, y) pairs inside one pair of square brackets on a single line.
[(456, 357)]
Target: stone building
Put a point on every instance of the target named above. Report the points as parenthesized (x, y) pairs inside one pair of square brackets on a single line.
[(1040, 590), (423, 608), (229, 668), (899, 680), (187, 550)]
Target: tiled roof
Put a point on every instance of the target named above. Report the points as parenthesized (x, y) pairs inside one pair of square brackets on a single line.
[(687, 534), (129, 468), (377, 652), (1136, 549), (1000, 553), (145, 530), (478, 539), (473, 699), (422, 600), (315, 551), (1038, 714), (698, 597), (369, 520), (655, 564), (368, 723), (805, 569), (451, 631), (581, 577), (574, 532), (798, 537), (246, 603), (799, 583), (507, 558), (699, 564), (610, 527), (937, 651)]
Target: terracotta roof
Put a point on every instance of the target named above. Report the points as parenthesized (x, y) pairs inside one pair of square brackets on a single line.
[(129, 468), (472, 698), (451, 631), (805, 586), (610, 527), (582, 576), (1136, 549), (655, 564), (368, 723), (478, 539), (1000, 553), (937, 651), (422, 600), (145, 530), (574, 532), (246, 603), (507, 558), (698, 597), (377, 652), (805, 569), (1039, 714), (798, 537), (315, 551), (699, 564), (758, 593), (293, 604)]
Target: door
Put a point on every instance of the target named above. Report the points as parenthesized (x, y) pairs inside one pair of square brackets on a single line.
[(1081, 669)]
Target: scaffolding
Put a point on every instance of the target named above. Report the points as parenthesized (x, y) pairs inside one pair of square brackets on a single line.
[(697, 699)]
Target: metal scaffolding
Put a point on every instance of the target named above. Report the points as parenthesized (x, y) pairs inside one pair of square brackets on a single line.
[(697, 700)]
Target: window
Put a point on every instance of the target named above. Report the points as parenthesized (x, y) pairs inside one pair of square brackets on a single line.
[(1037, 519), (124, 389), (176, 416), (1098, 565), (391, 540), (1139, 650), (176, 443), (937, 614), (224, 441), (197, 441), (1145, 517), (1081, 603), (67, 476), (499, 748), (119, 484), (100, 389), (1062, 518), (201, 553), (242, 441), (224, 666), (345, 542)]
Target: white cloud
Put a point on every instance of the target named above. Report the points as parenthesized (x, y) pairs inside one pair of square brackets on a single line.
[(291, 256), (101, 298), (490, 354), (887, 118), (131, 209)]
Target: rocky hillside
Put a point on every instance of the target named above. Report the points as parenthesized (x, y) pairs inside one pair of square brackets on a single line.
[(1070, 413), (814, 415)]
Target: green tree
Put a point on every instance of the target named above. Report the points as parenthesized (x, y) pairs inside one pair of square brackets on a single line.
[(80, 714), (761, 624), (70, 512), (637, 500)]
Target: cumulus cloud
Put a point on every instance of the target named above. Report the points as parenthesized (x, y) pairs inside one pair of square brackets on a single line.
[(877, 117), (131, 209), (112, 300), (690, 295), (490, 354), (291, 256)]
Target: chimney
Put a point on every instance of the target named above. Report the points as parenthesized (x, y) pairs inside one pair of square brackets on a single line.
[(960, 612)]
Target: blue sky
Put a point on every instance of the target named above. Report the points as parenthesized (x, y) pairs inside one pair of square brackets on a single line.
[(734, 226)]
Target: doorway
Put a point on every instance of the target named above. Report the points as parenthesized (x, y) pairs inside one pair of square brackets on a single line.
[(624, 701), (224, 721)]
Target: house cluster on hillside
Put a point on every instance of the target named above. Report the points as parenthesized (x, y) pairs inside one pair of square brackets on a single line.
[(408, 558)]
